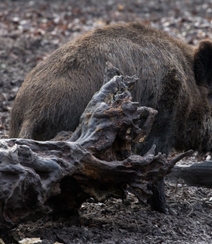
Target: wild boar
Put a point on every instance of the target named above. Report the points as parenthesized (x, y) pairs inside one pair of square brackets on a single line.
[(175, 78)]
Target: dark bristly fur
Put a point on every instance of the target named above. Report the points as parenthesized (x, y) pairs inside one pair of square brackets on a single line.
[(174, 78)]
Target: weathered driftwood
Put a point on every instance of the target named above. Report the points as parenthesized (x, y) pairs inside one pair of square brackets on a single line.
[(198, 174), (97, 161)]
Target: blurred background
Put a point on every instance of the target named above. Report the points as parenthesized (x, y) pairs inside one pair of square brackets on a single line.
[(29, 31)]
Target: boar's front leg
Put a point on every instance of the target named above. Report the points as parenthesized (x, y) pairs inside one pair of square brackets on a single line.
[(158, 200), (164, 129)]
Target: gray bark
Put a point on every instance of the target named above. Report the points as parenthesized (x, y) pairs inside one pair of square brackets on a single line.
[(96, 161)]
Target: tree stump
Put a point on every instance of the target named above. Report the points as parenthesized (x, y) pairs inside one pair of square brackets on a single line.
[(98, 160)]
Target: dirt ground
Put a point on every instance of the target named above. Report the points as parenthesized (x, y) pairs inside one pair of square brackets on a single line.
[(29, 31)]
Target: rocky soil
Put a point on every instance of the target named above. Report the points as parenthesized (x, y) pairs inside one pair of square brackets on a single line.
[(29, 31)]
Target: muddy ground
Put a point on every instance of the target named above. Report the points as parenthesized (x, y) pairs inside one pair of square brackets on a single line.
[(29, 31)]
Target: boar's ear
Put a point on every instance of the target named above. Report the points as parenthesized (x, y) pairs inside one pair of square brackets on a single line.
[(203, 63)]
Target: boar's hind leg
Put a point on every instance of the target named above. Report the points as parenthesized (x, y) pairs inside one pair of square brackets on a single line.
[(27, 129)]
